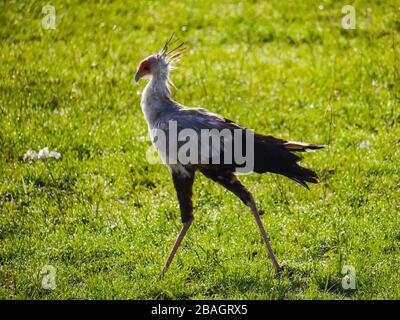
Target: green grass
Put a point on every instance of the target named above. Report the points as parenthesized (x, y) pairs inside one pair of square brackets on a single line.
[(106, 219)]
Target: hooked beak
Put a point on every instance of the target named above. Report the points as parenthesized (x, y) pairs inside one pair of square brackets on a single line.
[(138, 76)]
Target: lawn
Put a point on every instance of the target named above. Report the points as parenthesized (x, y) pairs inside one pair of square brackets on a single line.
[(102, 218)]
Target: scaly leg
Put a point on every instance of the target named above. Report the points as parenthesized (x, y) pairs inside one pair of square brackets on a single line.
[(178, 241), (264, 236), (231, 182), (183, 184)]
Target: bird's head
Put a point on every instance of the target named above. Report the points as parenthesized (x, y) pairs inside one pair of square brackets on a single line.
[(159, 64)]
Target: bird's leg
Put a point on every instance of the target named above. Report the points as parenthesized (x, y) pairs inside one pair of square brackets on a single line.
[(231, 182), (178, 241), (183, 183), (253, 208)]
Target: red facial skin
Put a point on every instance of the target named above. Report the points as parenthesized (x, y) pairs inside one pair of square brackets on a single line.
[(144, 68)]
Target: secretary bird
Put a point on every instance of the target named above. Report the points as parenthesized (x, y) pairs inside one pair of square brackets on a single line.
[(269, 154)]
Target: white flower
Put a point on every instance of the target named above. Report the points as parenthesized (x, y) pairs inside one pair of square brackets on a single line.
[(30, 154), (365, 144), (43, 154)]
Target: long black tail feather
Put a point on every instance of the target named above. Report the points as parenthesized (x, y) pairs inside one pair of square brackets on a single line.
[(276, 156)]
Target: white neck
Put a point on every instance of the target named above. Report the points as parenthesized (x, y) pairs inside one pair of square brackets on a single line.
[(158, 88), (156, 98)]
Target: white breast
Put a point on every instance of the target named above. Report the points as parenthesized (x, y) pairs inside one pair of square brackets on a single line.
[(156, 107)]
